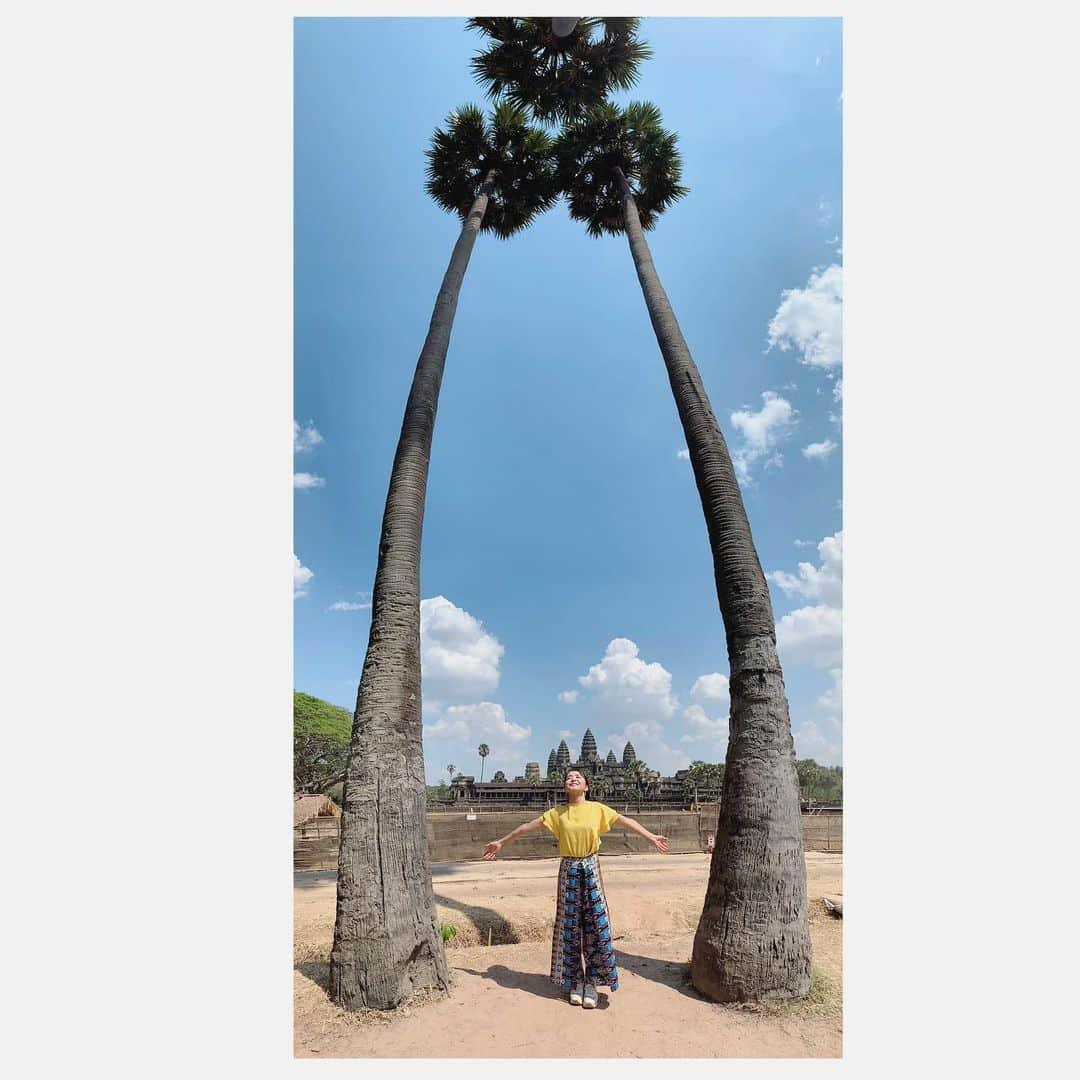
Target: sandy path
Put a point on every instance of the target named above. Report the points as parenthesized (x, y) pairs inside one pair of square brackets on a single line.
[(503, 1005)]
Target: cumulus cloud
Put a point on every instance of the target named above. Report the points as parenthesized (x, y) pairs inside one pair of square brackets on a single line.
[(702, 729), (630, 700), (304, 438), (762, 432), (819, 451), (810, 320), (301, 575), (683, 454), (569, 697), (819, 740), (811, 634), (446, 728), (303, 481), (489, 720), (833, 698), (712, 687), (623, 685), (823, 582), (458, 658)]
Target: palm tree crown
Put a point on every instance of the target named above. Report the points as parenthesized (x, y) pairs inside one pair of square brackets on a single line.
[(471, 147), (607, 138), (555, 76)]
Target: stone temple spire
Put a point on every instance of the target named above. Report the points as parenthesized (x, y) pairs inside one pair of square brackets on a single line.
[(588, 746), (611, 759), (551, 763), (562, 757), (628, 755)]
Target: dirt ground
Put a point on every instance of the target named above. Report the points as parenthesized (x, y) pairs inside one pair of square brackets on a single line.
[(502, 1003)]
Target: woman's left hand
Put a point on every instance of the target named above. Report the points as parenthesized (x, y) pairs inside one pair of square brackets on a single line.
[(660, 843)]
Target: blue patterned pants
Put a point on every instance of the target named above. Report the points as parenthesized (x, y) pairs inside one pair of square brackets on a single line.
[(582, 927)]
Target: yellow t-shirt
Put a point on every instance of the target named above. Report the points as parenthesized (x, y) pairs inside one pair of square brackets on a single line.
[(578, 828)]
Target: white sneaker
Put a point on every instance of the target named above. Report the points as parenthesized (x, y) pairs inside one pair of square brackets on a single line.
[(589, 1001), (575, 994)]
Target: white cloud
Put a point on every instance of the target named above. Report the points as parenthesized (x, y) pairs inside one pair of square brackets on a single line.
[(702, 729), (814, 633), (810, 320), (804, 543), (761, 432), (820, 741), (810, 634), (569, 697), (623, 685), (564, 735), (712, 687), (458, 658), (445, 728), (819, 451), (824, 582), (683, 454), (304, 438), (824, 211), (301, 575), (632, 701), (348, 605), (487, 719), (303, 481), (832, 701)]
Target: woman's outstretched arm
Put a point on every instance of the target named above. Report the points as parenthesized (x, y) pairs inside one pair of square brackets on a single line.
[(492, 849), (658, 842)]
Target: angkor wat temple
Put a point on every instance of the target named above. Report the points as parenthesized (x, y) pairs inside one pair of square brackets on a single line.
[(610, 780)]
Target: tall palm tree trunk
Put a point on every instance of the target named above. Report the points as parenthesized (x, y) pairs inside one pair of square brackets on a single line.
[(752, 941), (386, 934)]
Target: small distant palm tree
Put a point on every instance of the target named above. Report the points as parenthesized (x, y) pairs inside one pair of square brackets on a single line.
[(553, 74), (483, 750), (496, 175), (452, 770), (620, 170)]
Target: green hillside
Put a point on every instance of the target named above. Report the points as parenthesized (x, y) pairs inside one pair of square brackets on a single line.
[(313, 716)]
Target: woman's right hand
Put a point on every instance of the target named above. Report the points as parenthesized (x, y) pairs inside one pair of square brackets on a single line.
[(492, 849)]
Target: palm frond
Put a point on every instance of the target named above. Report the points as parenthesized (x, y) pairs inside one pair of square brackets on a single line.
[(521, 155), (557, 78), (588, 151)]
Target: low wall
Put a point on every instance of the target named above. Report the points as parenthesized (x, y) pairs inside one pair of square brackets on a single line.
[(453, 838)]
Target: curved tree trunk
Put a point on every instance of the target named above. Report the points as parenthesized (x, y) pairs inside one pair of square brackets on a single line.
[(386, 934), (752, 941)]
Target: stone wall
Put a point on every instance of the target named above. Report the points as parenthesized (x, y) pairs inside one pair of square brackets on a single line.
[(453, 838)]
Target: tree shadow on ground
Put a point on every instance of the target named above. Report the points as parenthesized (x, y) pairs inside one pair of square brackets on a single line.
[(317, 971), (528, 981), (484, 919), (666, 972), (309, 879)]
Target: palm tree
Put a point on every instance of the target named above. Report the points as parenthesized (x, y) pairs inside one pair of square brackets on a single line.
[(483, 750), (451, 769), (497, 176), (556, 74), (620, 170)]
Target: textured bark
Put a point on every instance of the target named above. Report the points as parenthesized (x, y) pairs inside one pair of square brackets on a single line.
[(752, 940), (386, 933)]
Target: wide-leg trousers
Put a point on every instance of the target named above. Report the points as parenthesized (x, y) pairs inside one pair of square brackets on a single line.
[(582, 926)]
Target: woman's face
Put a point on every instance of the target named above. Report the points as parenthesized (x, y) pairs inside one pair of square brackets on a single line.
[(575, 782)]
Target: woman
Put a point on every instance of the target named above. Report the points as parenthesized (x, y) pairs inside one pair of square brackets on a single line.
[(582, 926)]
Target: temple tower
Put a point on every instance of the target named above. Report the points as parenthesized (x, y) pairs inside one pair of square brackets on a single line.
[(562, 757), (628, 755), (588, 746)]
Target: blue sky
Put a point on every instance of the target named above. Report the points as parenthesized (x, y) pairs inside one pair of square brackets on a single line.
[(566, 571)]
